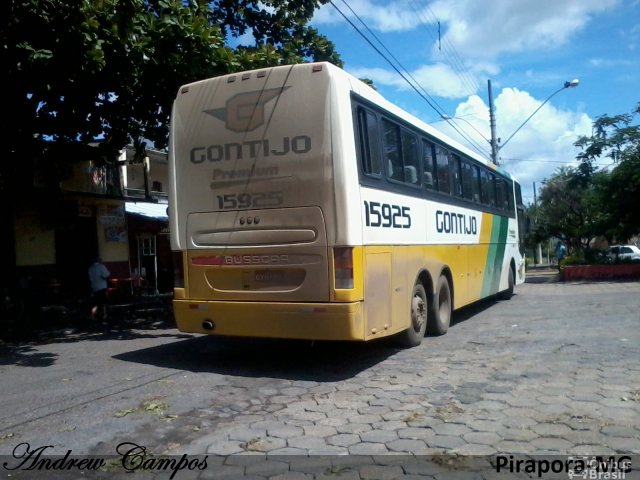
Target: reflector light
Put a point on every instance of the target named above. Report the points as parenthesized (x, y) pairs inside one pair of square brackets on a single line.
[(208, 260), (343, 267), (316, 68)]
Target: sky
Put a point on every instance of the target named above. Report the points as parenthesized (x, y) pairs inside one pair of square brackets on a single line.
[(450, 49)]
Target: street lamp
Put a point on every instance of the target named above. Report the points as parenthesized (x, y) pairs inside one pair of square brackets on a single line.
[(495, 148)]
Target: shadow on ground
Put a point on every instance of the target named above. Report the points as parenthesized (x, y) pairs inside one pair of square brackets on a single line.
[(320, 361), (273, 358)]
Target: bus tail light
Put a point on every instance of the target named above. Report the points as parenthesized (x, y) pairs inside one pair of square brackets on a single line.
[(343, 267), (178, 269)]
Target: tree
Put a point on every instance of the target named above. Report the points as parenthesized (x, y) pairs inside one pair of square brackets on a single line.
[(85, 70), (566, 211), (581, 203), (618, 194), (110, 69)]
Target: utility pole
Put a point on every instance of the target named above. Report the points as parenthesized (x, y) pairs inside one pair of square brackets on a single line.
[(492, 123), (495, 141), (539, 245)]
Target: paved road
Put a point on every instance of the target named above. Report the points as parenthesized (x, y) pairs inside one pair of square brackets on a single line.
[(554, 370)]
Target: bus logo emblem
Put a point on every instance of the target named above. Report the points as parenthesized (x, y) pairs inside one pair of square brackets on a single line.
[(244, 112)]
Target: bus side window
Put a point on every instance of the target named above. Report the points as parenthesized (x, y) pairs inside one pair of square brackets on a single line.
[(509, 190), (428, 176), (476, 183), (518, 194), (487, 188), (454, 175), (442, 168), (411, 157), (467, 180), (369, 145), (392, 151), (500, 194)]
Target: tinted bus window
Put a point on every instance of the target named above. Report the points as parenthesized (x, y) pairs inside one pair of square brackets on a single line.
[(509, 190), (369, 148), (411, 157), (442, 169), (455, 176), (475, 170), (429, 176), (501, 196), (487, 188), (518, 194), (467, 180), (392, 151)]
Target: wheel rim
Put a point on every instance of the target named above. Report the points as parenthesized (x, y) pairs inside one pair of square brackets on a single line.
[(418, 312)]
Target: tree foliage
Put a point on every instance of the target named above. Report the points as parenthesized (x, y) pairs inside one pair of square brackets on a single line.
[(566, 211), (581, 203), (109, 69)]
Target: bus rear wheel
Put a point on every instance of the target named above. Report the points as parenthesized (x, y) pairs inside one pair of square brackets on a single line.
[(412, 336), (508, 293), (441, 308)]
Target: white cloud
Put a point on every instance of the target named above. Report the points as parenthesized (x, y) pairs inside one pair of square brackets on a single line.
[(378, 15), (476, 37), (437, 79), (514, 26), (474, 29), (544, 144)]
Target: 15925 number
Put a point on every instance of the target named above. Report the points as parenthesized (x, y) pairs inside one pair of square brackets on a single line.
[(249, 200), (378, 214)]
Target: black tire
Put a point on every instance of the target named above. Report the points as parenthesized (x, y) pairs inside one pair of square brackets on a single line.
[(412, 336), (508, 293), (441, 308)]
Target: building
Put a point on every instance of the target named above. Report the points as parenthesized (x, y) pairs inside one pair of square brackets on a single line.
[(115, 211)]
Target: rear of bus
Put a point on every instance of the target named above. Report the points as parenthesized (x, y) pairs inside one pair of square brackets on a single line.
[(253, 210)]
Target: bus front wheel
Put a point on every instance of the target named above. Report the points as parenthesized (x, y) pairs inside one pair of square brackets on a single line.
[(412, 336), (441, 307)]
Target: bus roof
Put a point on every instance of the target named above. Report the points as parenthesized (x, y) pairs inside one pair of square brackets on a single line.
[(368, 93)]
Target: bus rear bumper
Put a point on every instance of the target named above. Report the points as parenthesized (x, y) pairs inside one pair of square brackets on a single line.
[(307, 321)]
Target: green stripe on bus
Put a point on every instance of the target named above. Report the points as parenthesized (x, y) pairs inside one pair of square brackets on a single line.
[(493, 267)]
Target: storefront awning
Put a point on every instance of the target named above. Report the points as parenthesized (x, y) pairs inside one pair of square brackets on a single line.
[(149, 210)]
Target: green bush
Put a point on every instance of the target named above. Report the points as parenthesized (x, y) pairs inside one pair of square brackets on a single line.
[(574, 259)]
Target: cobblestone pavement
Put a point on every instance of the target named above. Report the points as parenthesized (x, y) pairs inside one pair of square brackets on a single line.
[(553, 371)]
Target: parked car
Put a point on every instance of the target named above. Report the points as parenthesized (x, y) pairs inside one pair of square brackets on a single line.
[(624, 253)]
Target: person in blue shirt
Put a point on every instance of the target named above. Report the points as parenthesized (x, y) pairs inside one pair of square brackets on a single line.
[(561, 252), (98, 276)]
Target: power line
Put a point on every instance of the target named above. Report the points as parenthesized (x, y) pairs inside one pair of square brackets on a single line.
[(414, 85), (436, 107), (450, 53)]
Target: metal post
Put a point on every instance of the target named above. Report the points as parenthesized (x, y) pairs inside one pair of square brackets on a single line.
[(539, 245), (492, 124)]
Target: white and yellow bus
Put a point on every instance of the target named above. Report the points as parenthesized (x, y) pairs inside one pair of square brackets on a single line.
[(307, 206)]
